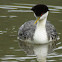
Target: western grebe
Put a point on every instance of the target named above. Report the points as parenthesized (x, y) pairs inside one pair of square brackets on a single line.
[(38, 31)]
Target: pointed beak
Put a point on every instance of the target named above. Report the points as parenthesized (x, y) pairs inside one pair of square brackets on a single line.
[(37, 20)]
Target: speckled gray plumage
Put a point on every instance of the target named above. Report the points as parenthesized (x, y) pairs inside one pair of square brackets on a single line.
[(26, 31), (51, 31)]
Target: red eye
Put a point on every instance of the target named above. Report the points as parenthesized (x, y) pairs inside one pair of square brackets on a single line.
[(41, 14)]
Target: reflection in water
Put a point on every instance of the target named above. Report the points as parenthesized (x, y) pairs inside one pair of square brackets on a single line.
[(41, 51)]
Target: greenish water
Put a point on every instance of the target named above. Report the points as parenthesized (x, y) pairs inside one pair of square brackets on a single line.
[(13, 13)]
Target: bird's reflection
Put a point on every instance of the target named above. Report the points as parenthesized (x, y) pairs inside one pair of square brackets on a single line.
[(41, 51)]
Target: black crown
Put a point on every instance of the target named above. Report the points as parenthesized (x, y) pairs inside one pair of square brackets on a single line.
[(40, 9)]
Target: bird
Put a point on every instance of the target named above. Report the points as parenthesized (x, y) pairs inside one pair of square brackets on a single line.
[(39, 31)]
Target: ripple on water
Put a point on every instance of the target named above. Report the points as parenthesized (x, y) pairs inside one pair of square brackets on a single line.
[(18, 7), (2, 32), (14, 57), (9, 61), (55, 56), (60, 47)]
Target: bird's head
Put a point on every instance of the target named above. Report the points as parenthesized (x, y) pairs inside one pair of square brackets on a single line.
[(40, 11)]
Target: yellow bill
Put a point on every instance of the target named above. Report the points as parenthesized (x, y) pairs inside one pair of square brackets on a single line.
[(37, 20)]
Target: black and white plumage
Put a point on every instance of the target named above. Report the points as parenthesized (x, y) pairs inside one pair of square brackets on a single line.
[(40, 32)]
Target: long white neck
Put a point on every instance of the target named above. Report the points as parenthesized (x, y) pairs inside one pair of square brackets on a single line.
[(40, 35), (41, 23), (42, 20)]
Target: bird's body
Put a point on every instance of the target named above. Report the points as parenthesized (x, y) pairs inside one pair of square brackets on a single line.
[(27, 30), (41, 32)]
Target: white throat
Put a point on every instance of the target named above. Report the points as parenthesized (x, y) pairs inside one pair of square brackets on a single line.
[(40, 35)]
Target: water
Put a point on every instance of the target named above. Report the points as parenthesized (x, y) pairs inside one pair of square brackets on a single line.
[(12, 15)]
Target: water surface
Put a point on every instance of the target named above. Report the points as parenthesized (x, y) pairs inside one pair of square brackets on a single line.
[(12, 15)]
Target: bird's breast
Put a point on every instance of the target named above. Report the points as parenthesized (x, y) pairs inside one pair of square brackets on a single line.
[(40, 35)]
